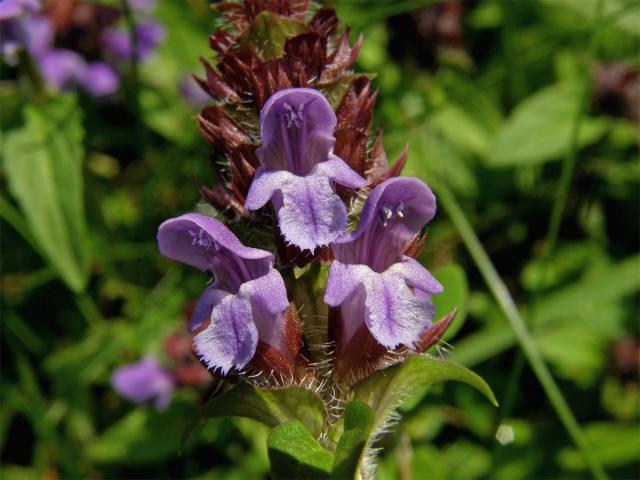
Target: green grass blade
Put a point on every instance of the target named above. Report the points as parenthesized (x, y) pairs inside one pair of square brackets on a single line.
[(528, 345), (569, 162)]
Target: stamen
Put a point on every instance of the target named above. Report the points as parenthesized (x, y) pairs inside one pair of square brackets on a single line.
[(294, 116), (386, 213), (200, 238)]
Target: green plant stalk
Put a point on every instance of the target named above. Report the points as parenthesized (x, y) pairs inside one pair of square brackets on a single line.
[(569, 162), (527, 343), (135, 79), (559, 205)]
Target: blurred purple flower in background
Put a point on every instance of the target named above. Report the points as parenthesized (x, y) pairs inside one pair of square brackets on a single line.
[(144, 381), (117, 42), (30, 25)]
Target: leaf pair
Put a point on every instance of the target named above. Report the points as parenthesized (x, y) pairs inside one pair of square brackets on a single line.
[(299, 417)]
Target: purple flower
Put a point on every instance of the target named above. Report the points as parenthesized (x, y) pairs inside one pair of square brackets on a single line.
[(371, 280), (18, 31), (61, 68), (118, 41), (144, 381), (298, 168), (245, 304), (99, 79), (14, 8)]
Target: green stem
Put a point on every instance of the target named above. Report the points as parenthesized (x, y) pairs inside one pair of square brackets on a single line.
[(527, 343), (569, 163), (135, 78), (88, 308)]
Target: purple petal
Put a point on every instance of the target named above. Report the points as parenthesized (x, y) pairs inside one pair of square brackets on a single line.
[(267, 293), (394, 212), (118, 41), (61, 68), (296, 126), (150, 34), (337, 170), (202, 313), (14, 8), (268, 296), (231, 338), (343, 279), (100, 79), (206, 244), (416, 276), (144, 381), (10, 9), (38, 34), (312, 214), (264, 185), (394, 315)]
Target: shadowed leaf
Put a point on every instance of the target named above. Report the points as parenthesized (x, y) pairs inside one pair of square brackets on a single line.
[(271, 407), (294, 453)]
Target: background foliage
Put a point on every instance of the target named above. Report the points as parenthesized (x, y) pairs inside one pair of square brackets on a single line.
[(504, 116)]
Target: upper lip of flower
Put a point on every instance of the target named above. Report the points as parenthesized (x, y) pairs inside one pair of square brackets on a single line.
[(395, 211)]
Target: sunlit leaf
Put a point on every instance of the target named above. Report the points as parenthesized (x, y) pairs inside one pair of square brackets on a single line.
[(386, 389), (43, 163), (540, 128), (615, 445)]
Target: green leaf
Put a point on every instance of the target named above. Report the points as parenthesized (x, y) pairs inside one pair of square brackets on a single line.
[(271, 407), (268, 34), (358, 422), (461, 129), (578, 300), (294, 453), (539, 129), (624, 15), (614, 444), (455, 295), (385, 390), (43, 162), (143, 436)]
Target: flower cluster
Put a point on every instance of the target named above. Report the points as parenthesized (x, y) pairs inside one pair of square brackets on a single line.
[(76, 43), (290, 127)]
